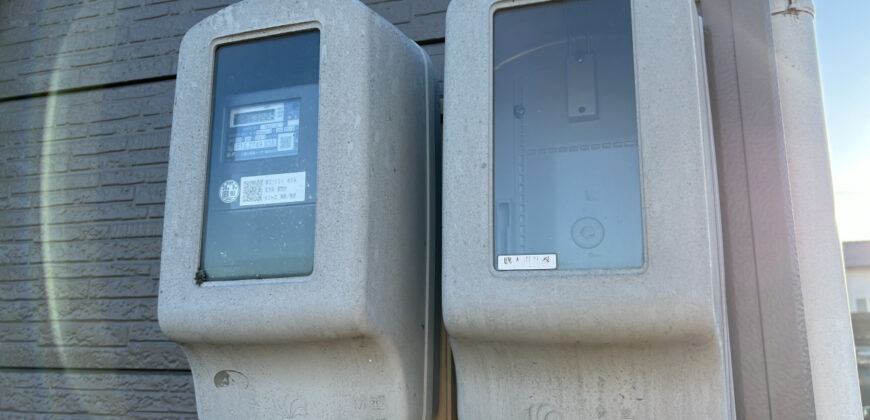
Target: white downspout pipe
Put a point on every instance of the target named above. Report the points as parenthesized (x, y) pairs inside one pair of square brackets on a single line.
[(820, 260)]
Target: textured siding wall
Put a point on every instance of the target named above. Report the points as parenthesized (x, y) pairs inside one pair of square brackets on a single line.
[(68, 395), (86, 94), (49, 45), (80, 221)]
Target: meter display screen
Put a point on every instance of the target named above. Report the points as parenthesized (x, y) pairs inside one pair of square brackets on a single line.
[(566, 164), (261, 114), (263, 131), (262, 173)]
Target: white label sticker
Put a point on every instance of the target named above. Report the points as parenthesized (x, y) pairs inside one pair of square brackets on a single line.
[(273, 189), (527, 262)]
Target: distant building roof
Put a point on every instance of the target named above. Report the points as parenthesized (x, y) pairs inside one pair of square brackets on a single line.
[(856, 254)]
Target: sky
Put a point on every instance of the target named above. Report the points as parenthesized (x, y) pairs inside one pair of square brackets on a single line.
[(843, 44)]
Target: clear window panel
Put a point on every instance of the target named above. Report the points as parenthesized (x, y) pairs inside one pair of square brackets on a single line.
[(566, 158), (262, 178)]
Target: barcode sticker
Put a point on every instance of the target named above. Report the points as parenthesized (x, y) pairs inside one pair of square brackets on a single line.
[(527, 262), (272, 189), (289, 139)]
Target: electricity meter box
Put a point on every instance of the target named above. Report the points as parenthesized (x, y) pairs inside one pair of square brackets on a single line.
[(296, 269), (581, 257)]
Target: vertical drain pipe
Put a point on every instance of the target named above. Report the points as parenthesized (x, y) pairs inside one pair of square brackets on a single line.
[(820, 260)]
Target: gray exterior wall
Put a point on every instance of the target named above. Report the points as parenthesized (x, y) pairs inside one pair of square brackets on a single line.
[(86, 94)]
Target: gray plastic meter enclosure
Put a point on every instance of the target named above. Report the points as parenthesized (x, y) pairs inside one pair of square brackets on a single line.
[(621, 195), (581, 255), (296, 269)]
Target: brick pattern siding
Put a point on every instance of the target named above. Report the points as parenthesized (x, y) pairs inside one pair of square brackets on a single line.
[(82, 180), (67, 44), (87, 394)]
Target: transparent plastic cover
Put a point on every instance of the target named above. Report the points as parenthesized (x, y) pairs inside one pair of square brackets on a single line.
[(566, 168), (261, 189)]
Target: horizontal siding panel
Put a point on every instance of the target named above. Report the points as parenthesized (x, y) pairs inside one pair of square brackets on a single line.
[(82, 186), (77, 44), (77, 395)]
